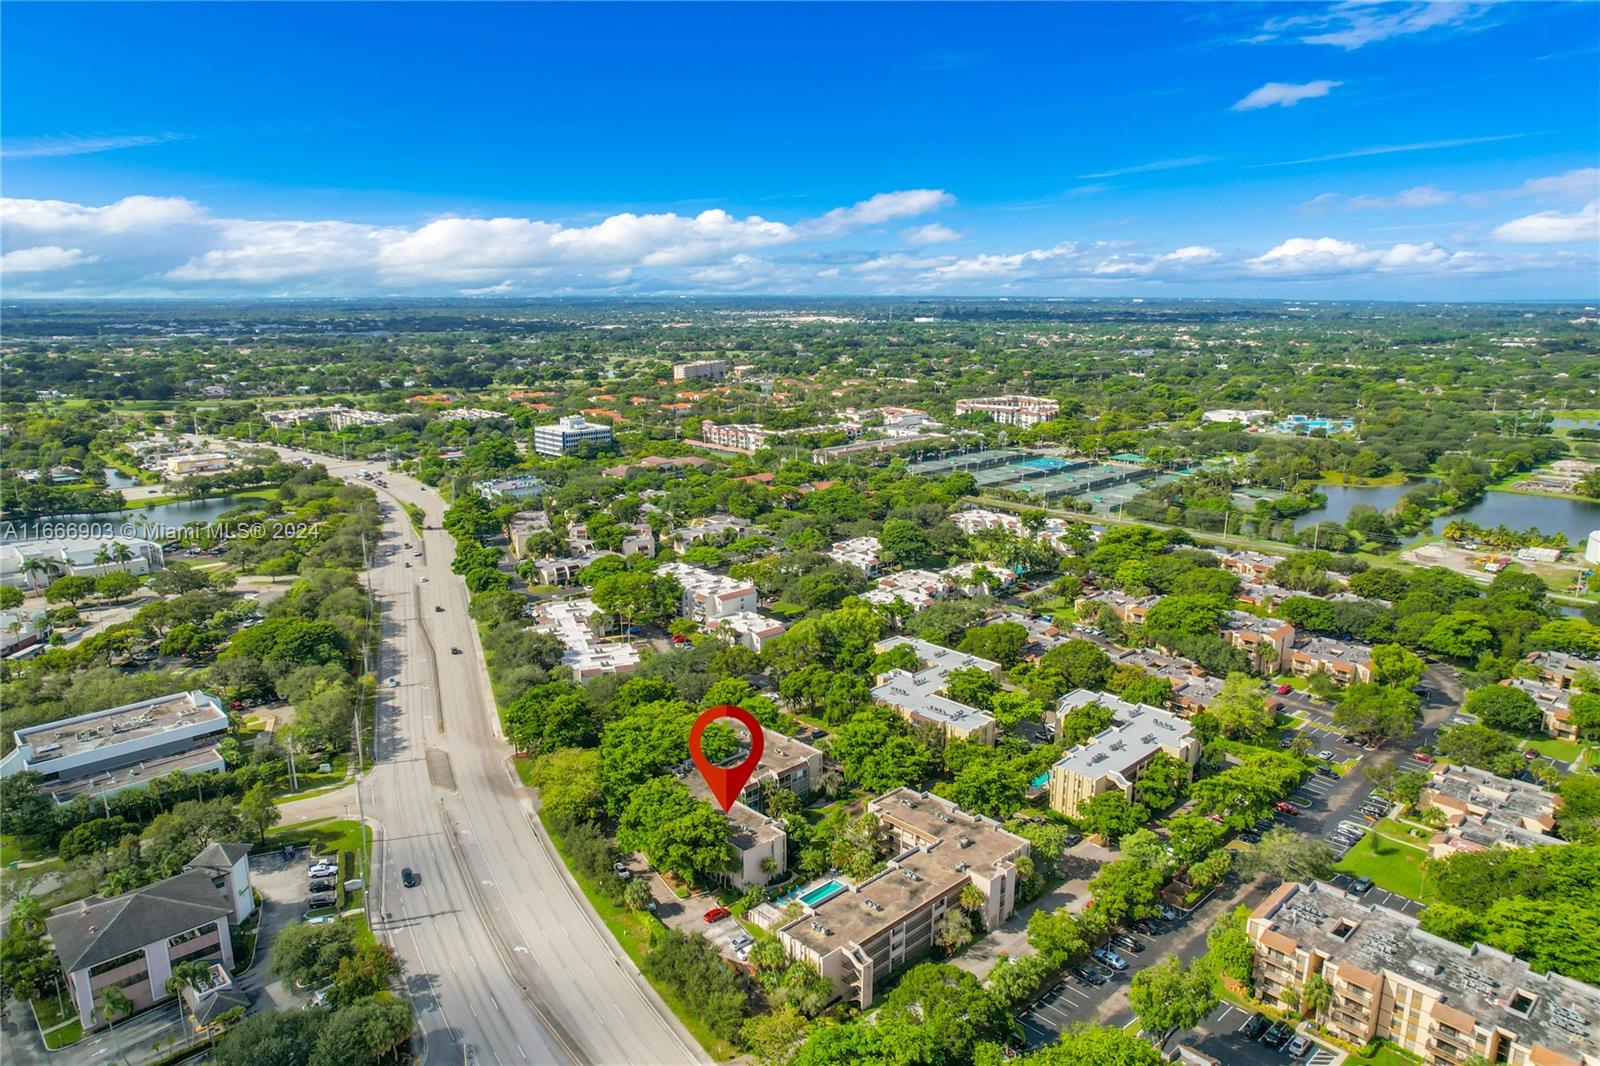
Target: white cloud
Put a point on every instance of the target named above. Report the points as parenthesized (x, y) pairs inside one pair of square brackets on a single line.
[(1355, 24), (44, 257), (1581, 184), (1418, 196), (1552, 227), (1144, 265), (491, 290), (78, 144), (1145, 168), (1285, 94), (1391, 149), (1329, 255), (884, 207), (932, 233), (128, 215)]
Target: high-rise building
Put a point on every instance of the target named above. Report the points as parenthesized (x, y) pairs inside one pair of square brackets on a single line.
[(569, 435)]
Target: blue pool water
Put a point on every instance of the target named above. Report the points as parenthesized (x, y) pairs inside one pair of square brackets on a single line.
[(825, 891), (1042, 780)]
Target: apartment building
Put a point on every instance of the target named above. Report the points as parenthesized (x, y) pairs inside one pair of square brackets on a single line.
[(1011, 410), (860, 935), (750, 438), (1253, 635), (1245, 417), (752, 629), (980, 579), (1484, 810), (639, 539), (760, 843), (712, 529), (662, 463), (1434, 998), (526, 526), (1116, 757), (338, 417), (587, 655), (1131, 610), (919, 695), (471, 414), (1192, 688), (1265, 594), (1250, 565), (103, 752), (565, 570), (859, 552), (1345, 661), (134, 940), (1559, 669), (1555, 704), (701, 370), (571, 435), (977, 519), (709, 598), (916, 588), (785, 762)]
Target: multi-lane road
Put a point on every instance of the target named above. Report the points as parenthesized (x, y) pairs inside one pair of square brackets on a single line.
[(502, 957)]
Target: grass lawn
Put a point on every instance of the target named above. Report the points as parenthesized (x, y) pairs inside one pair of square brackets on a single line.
[(1405, 830), (1391, 865), (1384, 1054), (632, 931), (325, 836), (15, 849), (67, 1034), (49, 1013), (1556, 748)]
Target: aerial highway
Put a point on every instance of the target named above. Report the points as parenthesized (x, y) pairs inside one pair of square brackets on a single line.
[(503, 958)]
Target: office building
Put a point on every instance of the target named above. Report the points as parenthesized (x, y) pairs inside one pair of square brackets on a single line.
[(858, 936), (1116, 757), (571, 435), (133, 941), (702, 370), (107, 751), (1011, 410), (919, 695), (1429, 996), (77, 557)]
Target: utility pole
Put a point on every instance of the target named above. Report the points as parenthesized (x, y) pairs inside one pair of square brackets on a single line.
[(366, 864)]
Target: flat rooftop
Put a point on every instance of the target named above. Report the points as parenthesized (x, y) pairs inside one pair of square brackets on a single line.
[(1331, 650), (118, 725), (131, 776), (1562, 1014), (1137, 732)]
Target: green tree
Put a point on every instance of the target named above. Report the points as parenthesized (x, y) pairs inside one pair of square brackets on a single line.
[(774, 1037), (271, 1038), (1169, 996), (1087, 1044), (1057, 936), (1002, 642), (878, 752), (1125, 889), (1504, 707), (257, 810), (73, 589), (953, 932), (678, 833), (1241, 707), (116, 585), (1228, 944), (972, 686), (364, 1033), (902, 543), (1110, 815), (1315, 996), (1289, 856), (1377, 711), (10, 598), (1393, 665)]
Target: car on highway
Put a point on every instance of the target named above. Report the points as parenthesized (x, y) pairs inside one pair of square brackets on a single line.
[(1130, 943), (409, 878), (715, 914), (1111, 958), (455, 650), (1252, 1029), (438, 610), (1297, 1047), (1277, 1036)]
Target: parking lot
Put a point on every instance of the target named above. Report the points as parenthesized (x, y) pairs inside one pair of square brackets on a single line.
[(1380, 897), (1219, 1037)]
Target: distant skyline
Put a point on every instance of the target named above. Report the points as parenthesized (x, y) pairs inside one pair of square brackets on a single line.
[(1415, 151)]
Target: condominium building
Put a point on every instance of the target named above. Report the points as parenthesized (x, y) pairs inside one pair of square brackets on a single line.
[(760, 843), (587, 655), (526, 526), (976, 519), (1131, 610), (979, 579), (710, 598), (1433, 998), (701, 369), (565, 570), (1115, 758), (338, 416), (1555, 704), (471, 414), (858, 936), (639, 539), (1250, 565), (1343, 660), (712, 529), (133, 941), (1559, 669), (1253, 635), (859, 552), (1483, 810), (919, 695), (1245, 417), (571, 435), (521, 486), (1011, 410), (1192, 688), (103, 752), (755, 631), (751, 437), (915, 588), (662, 463)]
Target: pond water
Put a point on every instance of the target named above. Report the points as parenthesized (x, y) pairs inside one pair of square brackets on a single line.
[(116, 479), (1550, 514), (1576, 423), (134, 522), (1343, 497)]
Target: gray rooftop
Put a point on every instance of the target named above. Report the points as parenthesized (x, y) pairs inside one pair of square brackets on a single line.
[(118, 725), (98, 930), (1137, 732)]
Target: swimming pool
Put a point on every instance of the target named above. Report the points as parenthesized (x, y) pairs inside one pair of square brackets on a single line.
[(1042, 780), (817, 895)]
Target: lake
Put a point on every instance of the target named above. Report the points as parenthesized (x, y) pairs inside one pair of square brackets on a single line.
[(163, 517), (1343, 497), (1575, 518), (1576, 423)]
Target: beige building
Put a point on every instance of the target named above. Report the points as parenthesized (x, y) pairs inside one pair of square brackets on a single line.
[(1433, 998), (861, 935), (702, 369), (1344, 661), (1484, 810), (1253, 635), (1011, 410), (920, 695), (1116, 757)]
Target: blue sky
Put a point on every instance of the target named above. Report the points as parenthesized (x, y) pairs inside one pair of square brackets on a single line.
[(1416, 151)]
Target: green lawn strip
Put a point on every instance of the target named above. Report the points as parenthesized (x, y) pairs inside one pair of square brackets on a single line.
[(1384, 1054), (631, 930), (49, 1014), (65, 1036), (1391, 864), (15, 849), (1556, 748)]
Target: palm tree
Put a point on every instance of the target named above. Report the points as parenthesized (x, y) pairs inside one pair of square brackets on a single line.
[(122, 554), (102, 555), (114, 1003), (27, 912), (35, 568)]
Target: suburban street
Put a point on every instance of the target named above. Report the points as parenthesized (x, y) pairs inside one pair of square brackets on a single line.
[(502, 957)]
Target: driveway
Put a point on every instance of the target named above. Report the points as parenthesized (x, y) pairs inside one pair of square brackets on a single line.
[(1080, 864), (285, 890)]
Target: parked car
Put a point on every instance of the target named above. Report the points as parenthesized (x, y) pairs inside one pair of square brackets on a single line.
[(1286, 808), (318, 919), (1421, 756), (1149, 927), (1166, 912), (1361, 886), (322, 869), (1325, 755), (1277, 1036), (1252, 1029), (1091, 974), (1131, 943), (1284, 690), (409, 878), (715, 914), (322, 886), (679, 638), (1111, 959), (323, 901), (741, 940), (1297, 1047), (1325, 772), (1071, 840)]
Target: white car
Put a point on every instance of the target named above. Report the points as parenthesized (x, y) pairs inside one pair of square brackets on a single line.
[(1325, 755), (323, 869)]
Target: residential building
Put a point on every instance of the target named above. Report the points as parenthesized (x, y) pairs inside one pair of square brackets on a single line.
[(1433, 998), (860, 935), (712, 529), (1131, 610), (22, 628), (859, 552), (1267, 596), (916, 588), (1251, 565), (1554, 703), (1011, 410), (134, 940), (701, 369), (1557, 668), (895, 422), (1345, 661), (980, 579), (1591, 548), (750, 438), (1247, 417), (338, 416), (587, 655), (710, 598), (571, 435), (1483, 810), (1192, 688), (665, 464), (976, 519), (521, 486), (751, 629), (1253, 635), (471, 414), (193, 464), (1117, 756), (564, 571), (103, 752), (526, 526), (919, 695)]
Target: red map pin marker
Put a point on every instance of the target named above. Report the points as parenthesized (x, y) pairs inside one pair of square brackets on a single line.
[(726, 782)]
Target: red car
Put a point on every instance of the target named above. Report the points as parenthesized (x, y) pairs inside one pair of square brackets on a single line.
[(1284, 690), (679, 638), (716, 914), (1421, 756), (1286, 808)]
